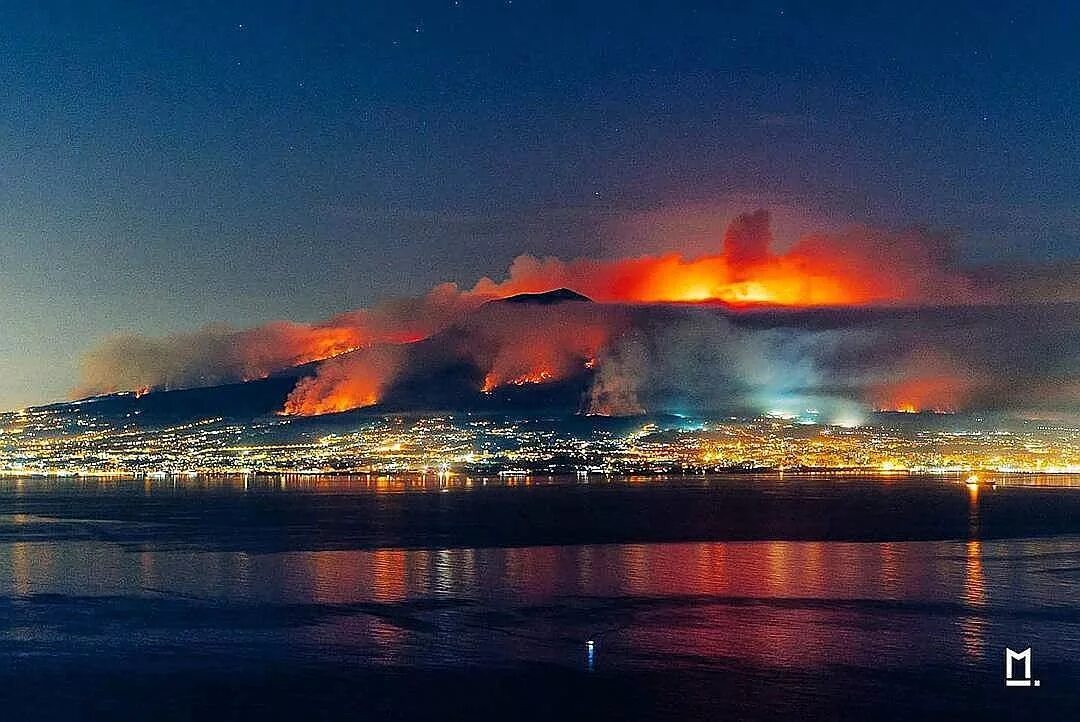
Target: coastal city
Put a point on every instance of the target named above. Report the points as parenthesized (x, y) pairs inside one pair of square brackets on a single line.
[(63, 442)]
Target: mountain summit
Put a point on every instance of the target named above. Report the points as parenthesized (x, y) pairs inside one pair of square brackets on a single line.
[(547, 298)]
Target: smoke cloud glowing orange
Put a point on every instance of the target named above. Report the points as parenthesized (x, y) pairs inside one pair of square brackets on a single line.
[(859, 267), (927, 380)]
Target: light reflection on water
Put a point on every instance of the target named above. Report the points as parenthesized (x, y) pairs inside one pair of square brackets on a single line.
[(773, 482), (792, 604), (80, 580)]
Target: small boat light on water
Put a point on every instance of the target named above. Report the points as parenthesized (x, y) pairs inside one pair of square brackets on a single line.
[(972, 480), (590, 654)]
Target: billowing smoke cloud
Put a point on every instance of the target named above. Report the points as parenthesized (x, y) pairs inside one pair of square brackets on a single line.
[(829, 365), (833, 364), (927, 379), (221, 354), (696, 360), (636, 351), (747, 242), (210, 356), (517, 344)]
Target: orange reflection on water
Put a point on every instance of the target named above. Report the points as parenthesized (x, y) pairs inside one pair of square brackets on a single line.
[(787, 603), (344, 576), (388, 571), (973, 509), (973, 595), (973, 627)]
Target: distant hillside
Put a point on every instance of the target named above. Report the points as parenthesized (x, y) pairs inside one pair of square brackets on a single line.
[(439, 376)]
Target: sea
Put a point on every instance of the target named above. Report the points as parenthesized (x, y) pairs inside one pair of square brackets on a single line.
[(742, 597)]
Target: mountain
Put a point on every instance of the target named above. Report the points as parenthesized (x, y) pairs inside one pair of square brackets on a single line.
[(541, 352), (244, 399), (448, 369), (547, 298), (440, 374)]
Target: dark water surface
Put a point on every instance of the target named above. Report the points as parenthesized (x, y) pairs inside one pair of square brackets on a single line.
[(704, 598)]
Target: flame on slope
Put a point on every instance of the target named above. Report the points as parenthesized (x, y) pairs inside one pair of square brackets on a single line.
[(345, 383), (938, 394), (539, 376)]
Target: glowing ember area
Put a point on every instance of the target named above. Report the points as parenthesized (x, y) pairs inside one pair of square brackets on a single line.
[(356, 396), (937, 395), (492, 382), (346, 383), (931, 382), (538, 377), (602, 404), (270, 348), (324, 342)]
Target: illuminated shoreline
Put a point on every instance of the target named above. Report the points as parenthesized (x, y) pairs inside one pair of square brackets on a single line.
[(50, 444), (985, 475)]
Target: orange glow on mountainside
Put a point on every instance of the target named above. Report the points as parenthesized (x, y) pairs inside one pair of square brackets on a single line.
[(349, 382), (943, 394), (540, 376)]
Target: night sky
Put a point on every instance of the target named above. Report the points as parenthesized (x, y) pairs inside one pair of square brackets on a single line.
[(168, 165)]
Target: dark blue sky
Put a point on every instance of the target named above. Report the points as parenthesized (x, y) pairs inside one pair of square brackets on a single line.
[(170, 164)]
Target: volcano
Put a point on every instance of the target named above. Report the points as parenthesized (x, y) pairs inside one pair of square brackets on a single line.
[(438, 377), (846, 322), (548, 298), (559, 352)]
